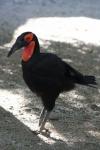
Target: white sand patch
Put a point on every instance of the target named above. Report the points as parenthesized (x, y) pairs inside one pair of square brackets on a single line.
[(15, 102), (67, 29)]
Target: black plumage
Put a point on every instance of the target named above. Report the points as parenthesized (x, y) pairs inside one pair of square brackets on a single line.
[(48, 75)]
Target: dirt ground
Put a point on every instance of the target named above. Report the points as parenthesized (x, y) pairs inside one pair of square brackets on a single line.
[(77, 113)]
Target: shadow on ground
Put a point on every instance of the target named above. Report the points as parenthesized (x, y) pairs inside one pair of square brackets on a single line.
[(78, 125), (15, 135)]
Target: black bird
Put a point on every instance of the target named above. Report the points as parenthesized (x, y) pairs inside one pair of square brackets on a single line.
[(46, 74)]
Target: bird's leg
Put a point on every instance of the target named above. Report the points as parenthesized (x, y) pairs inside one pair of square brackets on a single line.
[(42, 115), (44, 120)]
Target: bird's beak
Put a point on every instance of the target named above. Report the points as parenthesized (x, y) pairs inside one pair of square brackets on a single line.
[(14, 48)]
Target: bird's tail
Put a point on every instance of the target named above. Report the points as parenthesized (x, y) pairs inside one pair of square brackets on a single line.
[(86, 80), (79, 78)]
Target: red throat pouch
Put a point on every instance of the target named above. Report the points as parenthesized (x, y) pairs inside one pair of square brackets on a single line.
[(28, 51)]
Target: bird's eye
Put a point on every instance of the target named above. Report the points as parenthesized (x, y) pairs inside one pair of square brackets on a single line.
[(28, 37)]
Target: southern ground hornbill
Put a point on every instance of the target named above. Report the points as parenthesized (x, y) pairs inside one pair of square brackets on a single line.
[(46, 74)]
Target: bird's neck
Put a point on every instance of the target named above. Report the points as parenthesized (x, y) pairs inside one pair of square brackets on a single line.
[(30, 51)]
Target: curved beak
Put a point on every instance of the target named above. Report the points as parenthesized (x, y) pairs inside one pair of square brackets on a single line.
[(12, 50), (17, 45)]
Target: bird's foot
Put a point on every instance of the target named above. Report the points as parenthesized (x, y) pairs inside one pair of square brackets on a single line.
[(36, 132), (44, 132)]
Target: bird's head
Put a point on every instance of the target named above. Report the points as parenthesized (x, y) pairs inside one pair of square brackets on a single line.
[(29, 42)]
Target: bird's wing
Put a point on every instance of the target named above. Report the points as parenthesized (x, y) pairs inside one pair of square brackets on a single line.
[(48, 72)]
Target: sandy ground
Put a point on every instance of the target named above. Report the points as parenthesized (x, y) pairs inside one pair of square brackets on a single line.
[(77, 126)]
